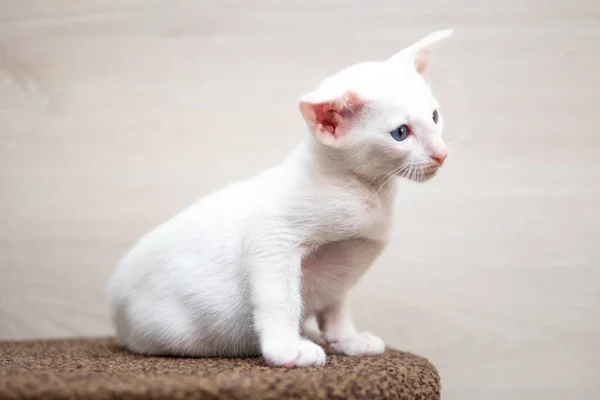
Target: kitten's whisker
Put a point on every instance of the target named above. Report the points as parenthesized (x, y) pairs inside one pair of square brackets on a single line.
[(404, 169), (389, 176), (411, 174), (386, 178)]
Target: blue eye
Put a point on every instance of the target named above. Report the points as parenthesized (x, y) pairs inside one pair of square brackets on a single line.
[(400, 133)]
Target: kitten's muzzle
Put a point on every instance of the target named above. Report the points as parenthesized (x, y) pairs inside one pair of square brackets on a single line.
[(440, 155)]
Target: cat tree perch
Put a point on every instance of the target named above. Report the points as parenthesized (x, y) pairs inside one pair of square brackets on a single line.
[(94, 369)]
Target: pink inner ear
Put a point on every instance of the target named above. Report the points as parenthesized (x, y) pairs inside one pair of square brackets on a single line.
[(422, 60), (326, 116), (331, 114)]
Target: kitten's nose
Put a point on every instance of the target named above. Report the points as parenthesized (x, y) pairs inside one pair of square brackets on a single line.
[(439, 156)]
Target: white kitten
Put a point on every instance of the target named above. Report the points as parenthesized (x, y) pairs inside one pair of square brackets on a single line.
[(240, 271)]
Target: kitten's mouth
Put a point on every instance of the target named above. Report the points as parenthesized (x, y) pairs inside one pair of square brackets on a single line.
[(426, 174), (422, 174)]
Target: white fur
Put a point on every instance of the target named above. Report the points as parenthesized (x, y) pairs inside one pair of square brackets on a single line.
[(237, 273)]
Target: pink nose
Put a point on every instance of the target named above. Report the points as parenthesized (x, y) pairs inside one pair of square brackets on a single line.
[(439, 156)]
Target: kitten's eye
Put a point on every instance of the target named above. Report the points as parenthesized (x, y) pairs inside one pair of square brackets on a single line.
[(435, 116), (400, 133)]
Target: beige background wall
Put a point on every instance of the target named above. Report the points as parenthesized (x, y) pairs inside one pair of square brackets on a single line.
[(116, 114)]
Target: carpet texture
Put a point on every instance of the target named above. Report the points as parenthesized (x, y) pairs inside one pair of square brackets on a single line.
[(98, 369)]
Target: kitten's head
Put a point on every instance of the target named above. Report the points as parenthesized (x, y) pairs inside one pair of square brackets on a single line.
[(381, 118)]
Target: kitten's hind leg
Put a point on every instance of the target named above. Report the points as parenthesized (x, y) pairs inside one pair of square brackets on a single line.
[(341, 335), (311, 331)]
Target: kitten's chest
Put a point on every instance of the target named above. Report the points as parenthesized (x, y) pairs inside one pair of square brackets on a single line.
[(379, 224), (331, 269)]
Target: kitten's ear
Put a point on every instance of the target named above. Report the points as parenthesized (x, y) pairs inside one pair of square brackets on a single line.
[(419, 53), (328, 114)]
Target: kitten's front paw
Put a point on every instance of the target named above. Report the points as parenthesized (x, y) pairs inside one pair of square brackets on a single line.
[(364, 344), (301, 353)]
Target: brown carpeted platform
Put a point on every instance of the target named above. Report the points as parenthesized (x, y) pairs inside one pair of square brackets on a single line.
[(98, 369)]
